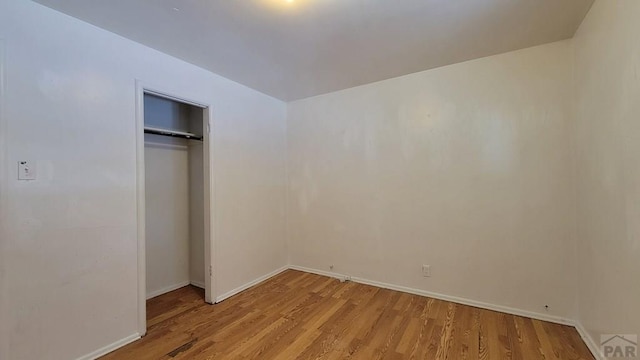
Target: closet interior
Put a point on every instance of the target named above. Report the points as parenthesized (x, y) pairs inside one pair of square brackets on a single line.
[(174, 195)]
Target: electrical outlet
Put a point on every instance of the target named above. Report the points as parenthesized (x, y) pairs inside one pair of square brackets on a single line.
[(26, 170), (426, 270), (331, 267)]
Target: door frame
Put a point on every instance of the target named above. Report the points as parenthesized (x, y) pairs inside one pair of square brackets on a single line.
[(4, 186), (209, 201)]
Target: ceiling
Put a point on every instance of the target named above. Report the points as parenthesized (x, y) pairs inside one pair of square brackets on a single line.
[(292, 49)]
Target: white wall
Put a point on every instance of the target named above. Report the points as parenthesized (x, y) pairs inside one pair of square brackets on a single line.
[(174, 195), (4, 315), (467, 168), (167, 213), (196, 214), (608, 148), (69, 239)]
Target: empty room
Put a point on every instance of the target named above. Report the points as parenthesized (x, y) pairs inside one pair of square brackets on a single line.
[(319, 179)]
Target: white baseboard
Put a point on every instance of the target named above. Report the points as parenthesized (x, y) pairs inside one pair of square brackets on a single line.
[(318, 272), (111, 347), (591, 343), (454, 299), (250, 284), (197, 284), (167, 289)]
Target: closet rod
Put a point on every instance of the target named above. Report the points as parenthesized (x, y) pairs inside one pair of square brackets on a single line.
[(172, 133)]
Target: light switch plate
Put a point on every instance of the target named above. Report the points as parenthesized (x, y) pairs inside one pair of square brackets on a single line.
[(26, 170)]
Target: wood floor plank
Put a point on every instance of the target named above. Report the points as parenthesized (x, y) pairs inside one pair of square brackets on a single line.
[(297, 315)]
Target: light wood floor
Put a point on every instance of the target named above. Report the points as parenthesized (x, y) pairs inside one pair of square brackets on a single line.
[(297, 315)]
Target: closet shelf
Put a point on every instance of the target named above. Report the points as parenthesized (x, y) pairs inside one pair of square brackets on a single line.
[(173, 133)]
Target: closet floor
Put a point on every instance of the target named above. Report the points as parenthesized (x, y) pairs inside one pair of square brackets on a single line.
[(297, 315)]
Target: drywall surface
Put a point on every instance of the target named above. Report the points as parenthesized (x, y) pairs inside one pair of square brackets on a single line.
[(608, 147), (174, 194), (196, 214), (4, 314), (69, 241), (167, 204), (467, 168)]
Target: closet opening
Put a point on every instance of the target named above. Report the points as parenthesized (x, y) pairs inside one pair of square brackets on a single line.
[(173, 199)]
